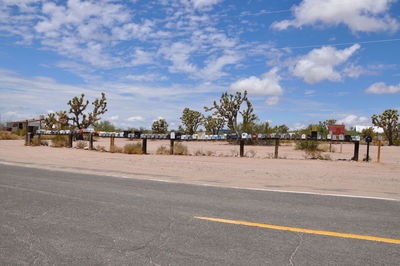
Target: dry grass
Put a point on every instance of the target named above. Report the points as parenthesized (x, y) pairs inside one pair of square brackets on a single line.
[(251, 154), (180, 149), (59, 141), (133, 148), (5, 135), (162, 150), (81, 144), (206, 153), (116, 149), (36, 142), (100, 148)]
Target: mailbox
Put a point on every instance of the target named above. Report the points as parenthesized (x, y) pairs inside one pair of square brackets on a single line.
[(329, 136), (333, 137), (303, 136), (341, 137), (368, 139), (244, 135)]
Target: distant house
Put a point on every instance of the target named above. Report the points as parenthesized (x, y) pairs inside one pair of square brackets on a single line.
[(13, 126)]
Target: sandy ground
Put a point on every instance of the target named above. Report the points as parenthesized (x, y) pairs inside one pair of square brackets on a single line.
[(292, 172)]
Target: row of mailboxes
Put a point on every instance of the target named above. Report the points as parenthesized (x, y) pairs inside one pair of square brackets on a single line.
[(180, 136)]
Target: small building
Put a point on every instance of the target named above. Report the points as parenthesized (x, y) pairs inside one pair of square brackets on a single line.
[(33, 125)]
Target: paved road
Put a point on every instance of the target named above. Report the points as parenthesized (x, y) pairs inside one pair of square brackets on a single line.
[(50, 217)]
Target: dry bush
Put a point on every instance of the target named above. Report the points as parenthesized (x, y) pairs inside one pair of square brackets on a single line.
[(198, 153), (251, 154), (44, 142), (81, 144), (210, 153), (162, 150), (234, 153), (116, 149), (5, 135), (36, 142), (201, 153), (324, 147), (59, 141), (180, 149), (133, 148), (100, 148)]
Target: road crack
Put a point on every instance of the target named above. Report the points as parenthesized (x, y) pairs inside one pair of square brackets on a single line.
[(296, 249)]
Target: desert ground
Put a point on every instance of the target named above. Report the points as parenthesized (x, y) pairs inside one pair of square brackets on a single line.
[(291, 172)]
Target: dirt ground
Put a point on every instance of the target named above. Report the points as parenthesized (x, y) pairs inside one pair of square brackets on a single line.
[(292, 172)]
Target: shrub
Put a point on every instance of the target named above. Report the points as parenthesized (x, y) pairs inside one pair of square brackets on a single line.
[(201, 153), (250, 154), (307, 145), (180, 149), (36, 142), (59, 141), (100, 148), (133, 148), (116, 149), (162, 150), (5, 135), (81, 144)]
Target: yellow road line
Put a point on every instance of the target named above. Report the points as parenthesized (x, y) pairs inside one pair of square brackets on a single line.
[(308, 231)]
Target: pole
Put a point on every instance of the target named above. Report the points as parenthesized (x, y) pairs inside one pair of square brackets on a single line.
[(379, 151), (91, 141), (26, 133), (341, 147), (276, 148), (241, 147), (112, 142), (70, 140), (356, 150), (367, 151), (144, 146), (171, 147)]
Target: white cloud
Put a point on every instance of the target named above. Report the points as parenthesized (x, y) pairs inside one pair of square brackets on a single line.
[(135, 119), (319, 64), (358, 15), (353, 120), (113, 118), (272, 100), (267, 85), (383, 88), (204, 3), (146, 77)]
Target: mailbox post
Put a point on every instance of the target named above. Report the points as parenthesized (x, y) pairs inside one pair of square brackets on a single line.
[(241, 147), (276, 148), (368, 139), (144, 146), (356, 150)]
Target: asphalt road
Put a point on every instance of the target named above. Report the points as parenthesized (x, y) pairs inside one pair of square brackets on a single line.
[(49, 217)]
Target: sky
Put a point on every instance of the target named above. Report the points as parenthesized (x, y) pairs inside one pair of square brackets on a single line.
[(301, 61)]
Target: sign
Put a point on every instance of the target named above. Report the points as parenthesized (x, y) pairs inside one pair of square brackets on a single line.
[(336, 129)]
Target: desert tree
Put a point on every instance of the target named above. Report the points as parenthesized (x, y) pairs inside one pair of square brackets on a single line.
[(191, 120), (248, 117), (389, 121), (213, 124), (159, 126), (57, 120), (78, 106), (228, 108), (104, 125)]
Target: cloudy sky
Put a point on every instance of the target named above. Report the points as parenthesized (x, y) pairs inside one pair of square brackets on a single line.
[(300, 60)]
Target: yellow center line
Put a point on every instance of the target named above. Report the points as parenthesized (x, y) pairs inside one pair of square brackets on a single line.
[(308, 231)]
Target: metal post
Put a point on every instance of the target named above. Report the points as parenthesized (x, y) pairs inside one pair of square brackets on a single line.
[(171, 147), (356, 150), (91, 141), (367, 151), (379, 151), (144, 146), (29, 140), (241, 147), (276, 148)]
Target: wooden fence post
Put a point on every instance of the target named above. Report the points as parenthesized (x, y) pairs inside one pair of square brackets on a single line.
[(91, 141), (379, 151), (112, 142), (356, 150), (144, 146), (171, 147), (70, 140), (241, 148), (276, 148), (26, 133)]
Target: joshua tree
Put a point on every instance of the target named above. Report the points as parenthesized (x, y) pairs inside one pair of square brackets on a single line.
[(191, 119), (160, 126), (388, 120), (228, 108), (77, 109), (213, 124), (248, 116)]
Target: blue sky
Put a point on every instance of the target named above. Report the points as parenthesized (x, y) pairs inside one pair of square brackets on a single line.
[(301, 61)]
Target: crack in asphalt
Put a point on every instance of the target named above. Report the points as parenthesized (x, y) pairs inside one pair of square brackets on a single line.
[(296, 249)]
